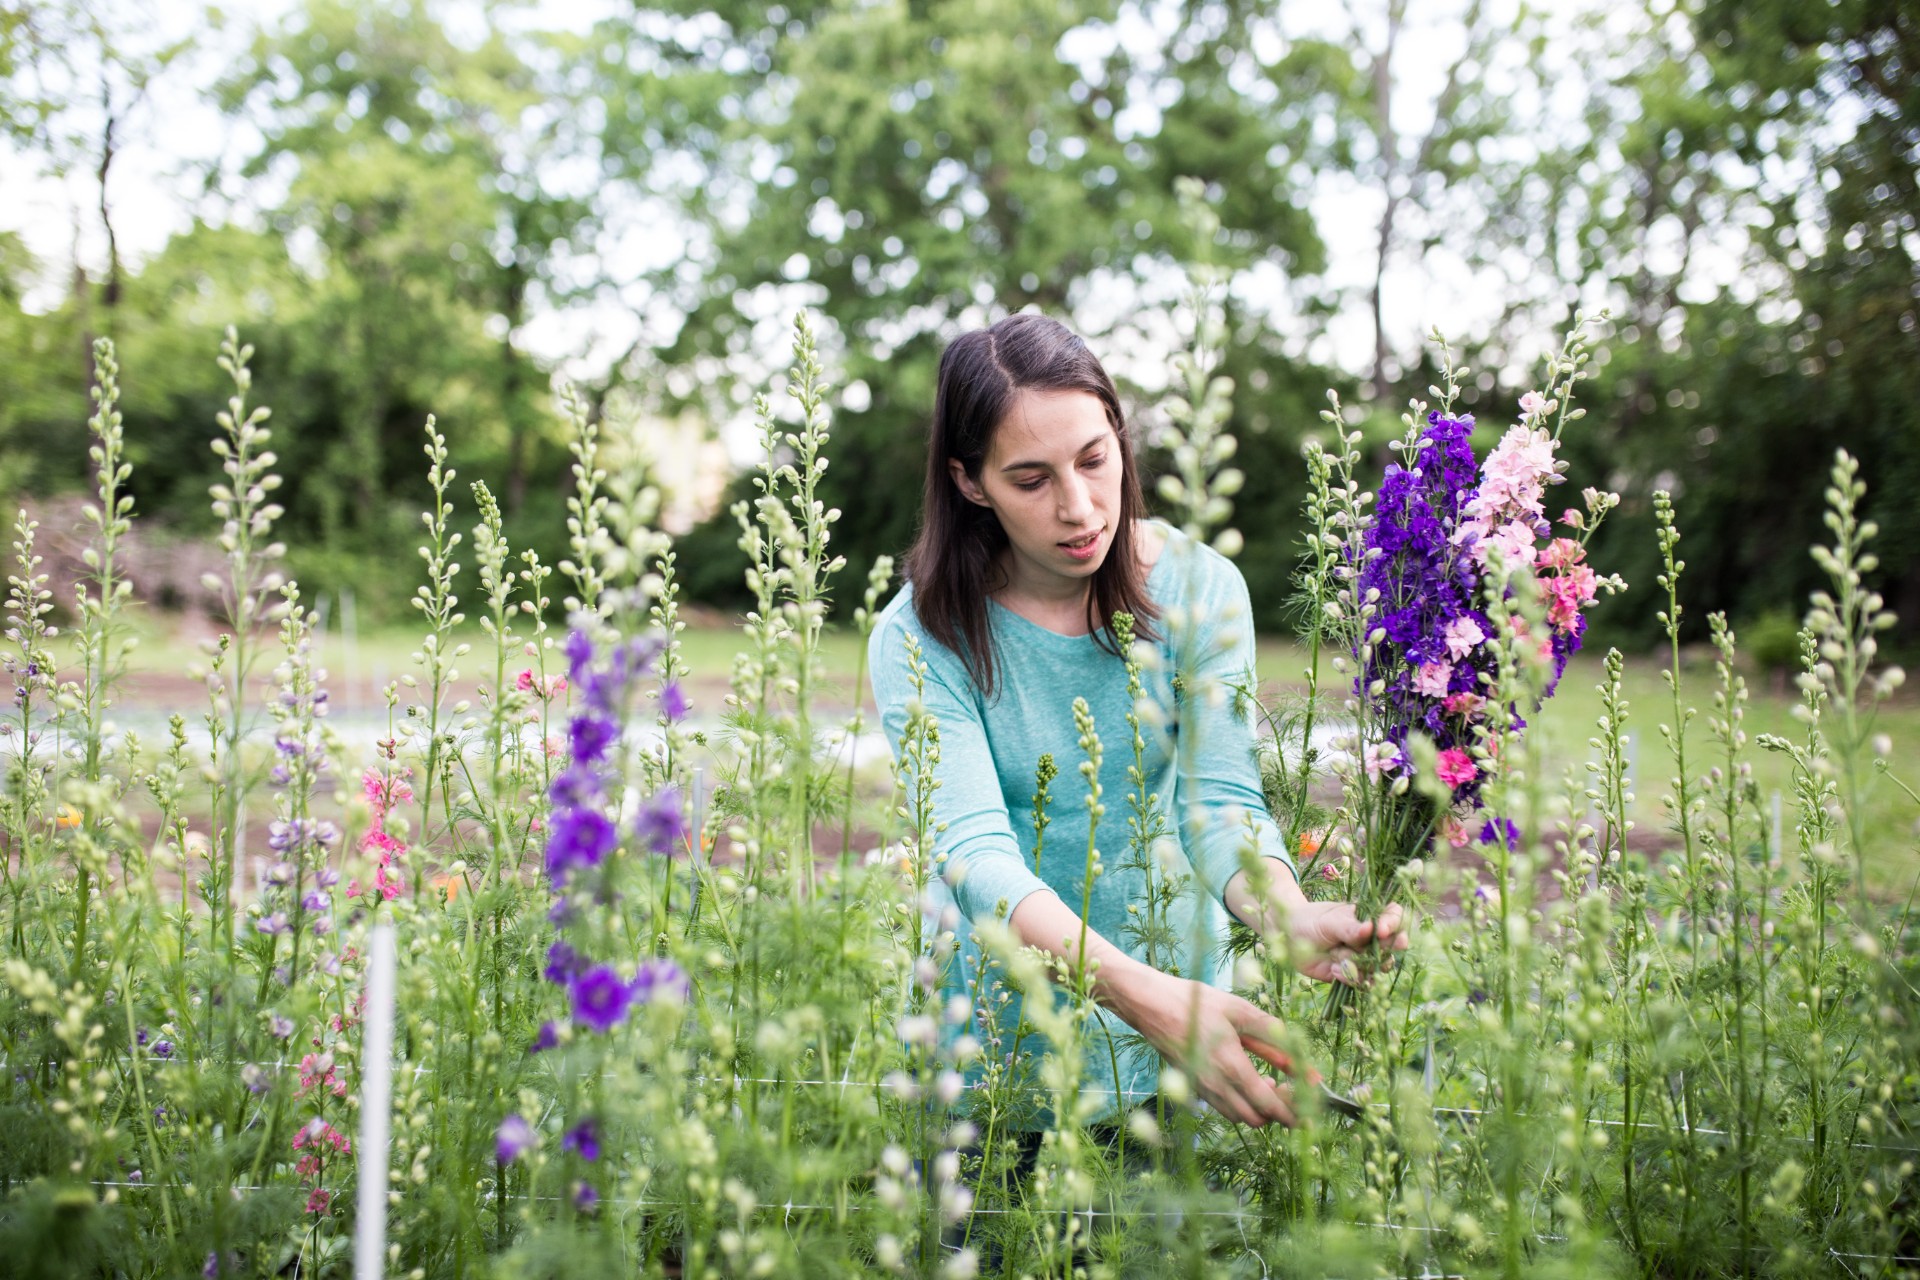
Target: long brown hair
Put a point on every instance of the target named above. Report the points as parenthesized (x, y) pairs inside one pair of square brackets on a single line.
[(951, 564)]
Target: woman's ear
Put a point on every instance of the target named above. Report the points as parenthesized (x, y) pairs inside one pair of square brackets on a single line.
[(968, 487)]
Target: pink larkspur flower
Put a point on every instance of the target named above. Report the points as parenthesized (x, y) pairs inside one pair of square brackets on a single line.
[(1561, 553), (1533, 403), (1464, 703), (1513, 480), (1513, 540), (1460, 635), (1383, 758), (1454, 832), (1431, 679), (1455, 767)]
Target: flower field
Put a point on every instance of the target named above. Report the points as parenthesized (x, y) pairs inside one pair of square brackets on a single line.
[(566, 969)]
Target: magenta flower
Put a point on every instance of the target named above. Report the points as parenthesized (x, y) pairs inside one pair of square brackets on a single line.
[(1455, 768)]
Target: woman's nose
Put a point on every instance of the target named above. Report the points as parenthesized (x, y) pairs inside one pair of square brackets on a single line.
[(1076, 499)]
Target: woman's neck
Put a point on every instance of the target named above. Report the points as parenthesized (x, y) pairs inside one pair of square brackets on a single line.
[(1060, 605)]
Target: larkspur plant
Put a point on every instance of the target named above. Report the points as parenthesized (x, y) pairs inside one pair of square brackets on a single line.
[(649, 1020), (1447, 543)]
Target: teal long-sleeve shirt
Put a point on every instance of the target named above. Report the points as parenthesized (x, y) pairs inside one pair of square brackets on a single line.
[(990, 750)]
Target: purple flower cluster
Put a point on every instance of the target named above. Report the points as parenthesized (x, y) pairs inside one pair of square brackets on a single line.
[(1428, 592), (1441, 525), (582, 840), (295, 901)]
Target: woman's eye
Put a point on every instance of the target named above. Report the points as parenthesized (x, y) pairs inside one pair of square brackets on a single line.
[(1094, 462), (1031, 486)]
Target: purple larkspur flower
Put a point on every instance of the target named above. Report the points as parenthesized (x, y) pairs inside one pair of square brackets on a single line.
[(563, 962), (163, 1048), (140, 1037), (315, 901), (512, 1138), (673, 701), (274, 925), (585, 1197), (1490, 833), (326, 877), (280, 1028), (601, 997), (281, 873), (548, 1037), (583, 1140), (1426, 583), (589, 736), (660, 825), (575, 787), (256, 1077), (579, 650), (287, 835), (578, 838), (661, 980)]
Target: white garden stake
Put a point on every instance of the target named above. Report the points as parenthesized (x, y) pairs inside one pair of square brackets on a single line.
[(376, 1105)]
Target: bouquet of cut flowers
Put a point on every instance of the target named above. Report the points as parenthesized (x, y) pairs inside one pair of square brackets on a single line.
[(1427, 587)]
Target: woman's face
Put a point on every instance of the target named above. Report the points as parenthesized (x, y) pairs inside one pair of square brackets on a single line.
[(1052, 474)]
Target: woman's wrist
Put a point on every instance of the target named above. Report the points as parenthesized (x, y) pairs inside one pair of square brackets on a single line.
[(1266, 907), (1129, 987)]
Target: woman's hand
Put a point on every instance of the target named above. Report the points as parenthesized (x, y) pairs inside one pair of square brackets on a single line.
[(1328, 936), (1205, 1032), (1208, 1033), (1325, 937)]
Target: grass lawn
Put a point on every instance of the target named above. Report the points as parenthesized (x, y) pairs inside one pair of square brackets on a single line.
[(159, 684)]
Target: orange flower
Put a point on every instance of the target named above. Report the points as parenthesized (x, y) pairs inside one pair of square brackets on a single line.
[(1309, 842), (68, 817)]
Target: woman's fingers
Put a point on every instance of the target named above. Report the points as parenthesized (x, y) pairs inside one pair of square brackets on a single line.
[(1249, 1097), (1392, 926)]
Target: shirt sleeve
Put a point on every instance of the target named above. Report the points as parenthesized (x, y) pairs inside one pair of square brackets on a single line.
[(1222, 804), (983, 863)]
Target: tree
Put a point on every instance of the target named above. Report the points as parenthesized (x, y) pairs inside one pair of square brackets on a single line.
[(418, 170), (912, 169)]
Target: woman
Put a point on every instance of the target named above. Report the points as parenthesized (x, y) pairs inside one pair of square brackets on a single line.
[(1032, 537)]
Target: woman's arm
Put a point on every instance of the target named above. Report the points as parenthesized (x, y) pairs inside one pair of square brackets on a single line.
[(1222, 781), (1204, 1031)]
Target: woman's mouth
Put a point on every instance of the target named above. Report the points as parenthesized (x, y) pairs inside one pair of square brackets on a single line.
[(1083, 547)]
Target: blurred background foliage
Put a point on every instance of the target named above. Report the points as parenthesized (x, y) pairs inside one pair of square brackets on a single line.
[(439, 208)]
